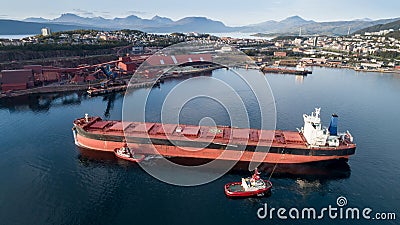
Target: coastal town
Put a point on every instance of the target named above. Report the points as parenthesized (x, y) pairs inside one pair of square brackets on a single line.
[(89, 58), (375, 51)]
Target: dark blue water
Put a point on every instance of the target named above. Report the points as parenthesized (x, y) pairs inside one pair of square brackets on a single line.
[(46, 179)]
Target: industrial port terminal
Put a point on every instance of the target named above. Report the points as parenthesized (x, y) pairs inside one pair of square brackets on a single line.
[(100, 78)]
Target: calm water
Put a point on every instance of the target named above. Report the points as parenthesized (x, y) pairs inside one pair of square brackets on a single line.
[(239, 35), (45, 179), (16, 36)]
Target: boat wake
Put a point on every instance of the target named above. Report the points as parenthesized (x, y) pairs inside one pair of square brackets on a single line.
[(151, 157)]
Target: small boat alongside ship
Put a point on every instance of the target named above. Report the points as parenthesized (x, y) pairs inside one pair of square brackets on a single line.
[(311, 143), (249, 187), (128, 154)]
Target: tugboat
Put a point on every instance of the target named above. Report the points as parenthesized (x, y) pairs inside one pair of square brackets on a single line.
[(127, 154), (249, 187)]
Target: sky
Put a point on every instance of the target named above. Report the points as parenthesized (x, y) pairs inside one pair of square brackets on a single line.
[(232, 13)]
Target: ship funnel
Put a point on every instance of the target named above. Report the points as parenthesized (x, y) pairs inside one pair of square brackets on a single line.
[(333, 125)]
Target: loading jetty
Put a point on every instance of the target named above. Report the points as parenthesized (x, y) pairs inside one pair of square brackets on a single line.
[(92, 91), (101, 91)]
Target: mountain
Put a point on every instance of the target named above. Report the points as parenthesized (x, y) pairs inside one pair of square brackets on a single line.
[(296, 20), (155, 24), (364, 19), (196, 24), (11, 27), (36, 20), (384, 26), (158, 24), (293, 24), (284, 26), (135, 23), (341, 27), (162, 20), (72, 19)]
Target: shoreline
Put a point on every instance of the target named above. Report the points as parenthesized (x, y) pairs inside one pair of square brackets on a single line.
[(364, 70), (63, 88), (84, 87), (353, 68)]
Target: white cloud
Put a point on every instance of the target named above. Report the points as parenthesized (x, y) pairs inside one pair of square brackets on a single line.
[(84, 13), (134, 12)]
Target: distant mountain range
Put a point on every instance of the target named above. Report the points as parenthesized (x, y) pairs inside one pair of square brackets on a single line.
[(292, 25), (157, 24), (392, 25), (13, 27)]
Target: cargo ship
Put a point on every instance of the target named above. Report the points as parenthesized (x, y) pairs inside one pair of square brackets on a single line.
[(311, 143), (298, 71)]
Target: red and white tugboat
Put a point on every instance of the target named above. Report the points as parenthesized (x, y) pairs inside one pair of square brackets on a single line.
[(128, 154), (249, 187)]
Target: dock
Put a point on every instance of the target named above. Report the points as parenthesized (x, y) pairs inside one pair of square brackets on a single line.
[(101, 91)]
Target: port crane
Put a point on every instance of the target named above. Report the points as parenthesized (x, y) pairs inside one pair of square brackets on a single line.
[(110, 75)]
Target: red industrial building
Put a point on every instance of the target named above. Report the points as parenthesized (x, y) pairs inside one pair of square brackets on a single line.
[(126, 64), (35, 68), (77, 79), (51, 76), (32, 75), (16, 79), (139, 59), (45, 73), (280, 54)]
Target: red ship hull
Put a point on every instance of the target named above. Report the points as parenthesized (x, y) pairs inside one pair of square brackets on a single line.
[(174, 151), (104, 138)]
